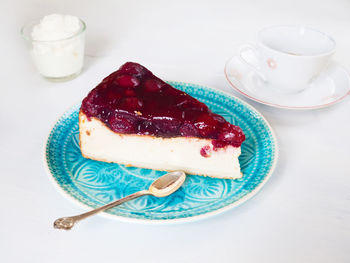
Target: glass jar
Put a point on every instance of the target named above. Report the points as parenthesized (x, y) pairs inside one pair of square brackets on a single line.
[(60, 59)]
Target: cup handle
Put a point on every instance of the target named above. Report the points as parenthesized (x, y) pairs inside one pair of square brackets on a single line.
[(252, 48)]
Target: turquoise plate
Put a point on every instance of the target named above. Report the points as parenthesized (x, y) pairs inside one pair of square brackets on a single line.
[(94, 183)]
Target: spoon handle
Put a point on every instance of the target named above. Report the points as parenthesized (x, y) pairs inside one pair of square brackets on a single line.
[(68, 222)]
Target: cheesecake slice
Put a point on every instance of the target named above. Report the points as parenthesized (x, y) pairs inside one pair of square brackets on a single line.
[(134, 118)]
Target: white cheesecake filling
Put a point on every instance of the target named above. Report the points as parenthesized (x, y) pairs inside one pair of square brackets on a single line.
[(100, 143)]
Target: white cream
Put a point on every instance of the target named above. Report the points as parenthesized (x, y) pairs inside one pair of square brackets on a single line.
[(58, 45)]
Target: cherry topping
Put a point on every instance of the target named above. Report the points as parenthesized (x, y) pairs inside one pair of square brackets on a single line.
[(219, 118), (122, 124), (126, 81), (167, 127), (205, 151), (131, 103), (133, 100), (130, 92), (218, 144), (232, 133), (188, 130), (112, 97), (133, 69), (146, 127), (206, 125), (152, 85)]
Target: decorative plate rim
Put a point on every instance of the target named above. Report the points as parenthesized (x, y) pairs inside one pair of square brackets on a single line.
[(173, 220), (319, 106)]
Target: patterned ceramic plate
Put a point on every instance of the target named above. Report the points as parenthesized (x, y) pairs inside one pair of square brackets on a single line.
[(92, 183)]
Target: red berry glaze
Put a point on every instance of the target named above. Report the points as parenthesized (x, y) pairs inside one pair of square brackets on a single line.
[(126, 81), (205, 151), (134, 101)]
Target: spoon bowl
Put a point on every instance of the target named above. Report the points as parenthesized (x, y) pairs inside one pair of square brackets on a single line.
[(167, 184)]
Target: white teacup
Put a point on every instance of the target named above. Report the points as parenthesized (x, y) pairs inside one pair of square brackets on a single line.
[(289, 57)]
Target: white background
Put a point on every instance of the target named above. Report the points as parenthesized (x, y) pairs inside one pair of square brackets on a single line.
[(301, 215)]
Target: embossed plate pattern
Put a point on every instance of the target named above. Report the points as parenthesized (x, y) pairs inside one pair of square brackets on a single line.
[(94, 183)]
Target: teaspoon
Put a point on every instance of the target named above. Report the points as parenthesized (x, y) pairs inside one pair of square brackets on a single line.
[(163, 186)]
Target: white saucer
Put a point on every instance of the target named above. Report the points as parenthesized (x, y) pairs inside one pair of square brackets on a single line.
[(330, 87)]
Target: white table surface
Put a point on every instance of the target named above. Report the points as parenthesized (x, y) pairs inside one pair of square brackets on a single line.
[(301, 215)]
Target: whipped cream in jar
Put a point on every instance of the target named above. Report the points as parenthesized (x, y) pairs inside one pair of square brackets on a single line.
[(57, 45)]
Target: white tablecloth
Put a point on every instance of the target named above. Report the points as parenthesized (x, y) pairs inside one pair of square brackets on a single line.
[(301, 215)]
